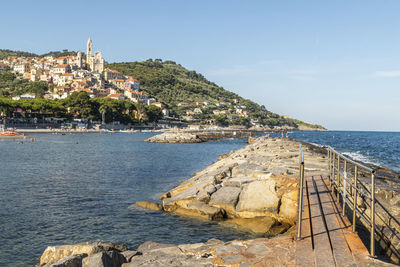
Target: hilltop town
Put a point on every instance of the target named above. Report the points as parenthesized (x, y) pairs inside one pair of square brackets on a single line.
[(179, 93), (76, 73)]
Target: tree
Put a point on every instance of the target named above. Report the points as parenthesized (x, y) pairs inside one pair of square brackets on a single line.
[(154, 114), (79, 105), (221, 120)]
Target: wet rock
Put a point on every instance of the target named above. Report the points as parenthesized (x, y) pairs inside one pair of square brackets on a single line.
[(149, 205)]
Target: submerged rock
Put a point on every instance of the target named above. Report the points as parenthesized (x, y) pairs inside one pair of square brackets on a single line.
[(149, 205)]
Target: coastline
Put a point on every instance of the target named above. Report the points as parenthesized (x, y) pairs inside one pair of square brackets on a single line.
[(184, 201), (216, 254)]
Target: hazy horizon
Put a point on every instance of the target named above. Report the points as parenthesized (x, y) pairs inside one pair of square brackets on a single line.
[(330, 63)]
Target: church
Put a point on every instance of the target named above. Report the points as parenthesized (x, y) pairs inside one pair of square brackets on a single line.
[(93, 63)]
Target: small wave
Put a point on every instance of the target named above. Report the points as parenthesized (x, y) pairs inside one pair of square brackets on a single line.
[(318, 145), (357, 155)]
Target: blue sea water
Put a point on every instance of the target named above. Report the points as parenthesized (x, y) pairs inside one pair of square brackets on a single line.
[(379, 148), (64, 189)]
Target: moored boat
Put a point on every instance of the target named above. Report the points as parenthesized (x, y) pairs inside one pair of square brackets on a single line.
[(8, 133)]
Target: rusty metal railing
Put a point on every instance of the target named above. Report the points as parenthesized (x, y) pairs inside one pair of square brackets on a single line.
[(300, 195)]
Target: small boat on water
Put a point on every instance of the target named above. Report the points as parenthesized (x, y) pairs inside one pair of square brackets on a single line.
[(8, 133)]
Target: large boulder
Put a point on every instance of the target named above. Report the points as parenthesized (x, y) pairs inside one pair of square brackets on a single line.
[(257, 225), (226, 198), (69, 261), (206, 211), (238, 181), (204, 194), (288, 207), (257, 199), (104, 259), (250, 169), (156, 254), (54, 253)]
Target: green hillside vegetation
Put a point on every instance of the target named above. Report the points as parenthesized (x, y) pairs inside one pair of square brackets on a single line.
[(80, 105), (60, 53), (5, 53), (170, 83), (13, 85)]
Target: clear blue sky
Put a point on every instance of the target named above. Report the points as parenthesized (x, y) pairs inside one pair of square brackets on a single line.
[(335, 63)]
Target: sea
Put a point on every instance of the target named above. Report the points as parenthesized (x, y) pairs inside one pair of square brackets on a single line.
[(63, 189)]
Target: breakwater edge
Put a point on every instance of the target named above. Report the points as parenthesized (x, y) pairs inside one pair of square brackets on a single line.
[(252, 189)]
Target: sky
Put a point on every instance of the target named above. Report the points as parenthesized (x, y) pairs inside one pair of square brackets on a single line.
[(334, 63)]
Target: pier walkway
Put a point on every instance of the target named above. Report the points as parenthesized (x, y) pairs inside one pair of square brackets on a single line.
[(325, 236)]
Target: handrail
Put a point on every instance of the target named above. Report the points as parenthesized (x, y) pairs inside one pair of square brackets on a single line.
[(344, 178), (300, 194), (338, 166), (350, 160)]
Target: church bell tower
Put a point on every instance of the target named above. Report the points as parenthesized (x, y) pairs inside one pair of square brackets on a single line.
[(89, 51)]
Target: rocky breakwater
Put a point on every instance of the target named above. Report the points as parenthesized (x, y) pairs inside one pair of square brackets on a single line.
[(174, 137), (255, 252), (253, 189)]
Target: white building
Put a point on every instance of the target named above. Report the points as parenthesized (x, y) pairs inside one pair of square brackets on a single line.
[(24, 96)]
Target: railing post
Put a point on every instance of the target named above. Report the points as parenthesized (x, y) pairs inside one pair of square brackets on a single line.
[(355, 197), (372, 214), (333, 172), (300, 202), (344, 186), (329, 162), (338, 180)]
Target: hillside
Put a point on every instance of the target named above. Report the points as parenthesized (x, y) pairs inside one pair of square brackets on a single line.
[(171, 83), (5, 53)]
